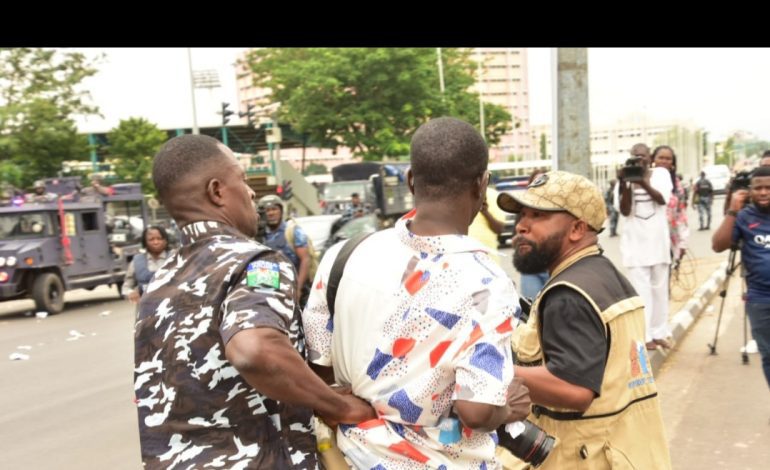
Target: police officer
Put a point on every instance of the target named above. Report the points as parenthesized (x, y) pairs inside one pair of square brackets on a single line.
[(293, 245), (594, 388)]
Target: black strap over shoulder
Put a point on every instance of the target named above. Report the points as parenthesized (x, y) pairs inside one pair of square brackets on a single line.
[(339, 266)]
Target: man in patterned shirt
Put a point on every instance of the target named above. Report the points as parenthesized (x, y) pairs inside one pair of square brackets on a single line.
[(422, 321), (217, 340)]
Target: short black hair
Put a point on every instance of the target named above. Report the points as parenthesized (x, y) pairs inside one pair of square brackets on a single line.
[(181, 156), (446, 154), (761, 171), (766, 154), (161, 230)]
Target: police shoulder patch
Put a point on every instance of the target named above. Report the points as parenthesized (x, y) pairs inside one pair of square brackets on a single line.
[(263, 273)]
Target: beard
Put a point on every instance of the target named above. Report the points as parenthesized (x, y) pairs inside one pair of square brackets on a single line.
[(540, 256)]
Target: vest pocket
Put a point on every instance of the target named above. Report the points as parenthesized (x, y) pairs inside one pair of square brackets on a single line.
[(617, 458), (597, 455)]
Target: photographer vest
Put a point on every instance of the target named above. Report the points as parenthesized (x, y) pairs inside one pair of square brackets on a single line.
[(623, 427)]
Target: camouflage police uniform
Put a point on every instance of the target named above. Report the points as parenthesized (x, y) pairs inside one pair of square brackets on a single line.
[(195, 409)]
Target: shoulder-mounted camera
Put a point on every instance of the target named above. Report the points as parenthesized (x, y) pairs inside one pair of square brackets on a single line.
[(741, 180)]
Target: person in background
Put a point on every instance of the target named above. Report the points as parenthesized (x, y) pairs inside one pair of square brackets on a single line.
[(96, 191), (676, 210), (277, 238), (747, 224), (487, 224), (703, 198), (143, 265), (645, 243), (532, 283), (39, 195)]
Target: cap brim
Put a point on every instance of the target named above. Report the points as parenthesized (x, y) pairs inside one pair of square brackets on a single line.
[(513, 202)]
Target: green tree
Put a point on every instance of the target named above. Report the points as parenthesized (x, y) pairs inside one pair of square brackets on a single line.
[(40, 94), (133, 144), (316, 169), (370, 99)]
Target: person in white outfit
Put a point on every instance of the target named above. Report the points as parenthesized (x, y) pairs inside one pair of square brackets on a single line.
[(645, 244)]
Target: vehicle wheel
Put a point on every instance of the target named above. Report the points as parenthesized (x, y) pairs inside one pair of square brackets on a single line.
[(48, 293)]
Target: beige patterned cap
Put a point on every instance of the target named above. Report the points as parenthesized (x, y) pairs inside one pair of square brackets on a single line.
[(559, 191)]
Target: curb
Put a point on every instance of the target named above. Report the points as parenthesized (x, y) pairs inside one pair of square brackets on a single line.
[(685, 317)]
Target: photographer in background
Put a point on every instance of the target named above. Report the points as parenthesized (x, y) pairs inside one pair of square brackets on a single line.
[(742, 180), (747, 223), (645, 244)]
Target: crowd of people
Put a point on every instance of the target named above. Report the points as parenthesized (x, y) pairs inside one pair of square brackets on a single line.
[(412, 343)]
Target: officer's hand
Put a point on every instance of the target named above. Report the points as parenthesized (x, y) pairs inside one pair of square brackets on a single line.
[(518, 401), (356, 410)]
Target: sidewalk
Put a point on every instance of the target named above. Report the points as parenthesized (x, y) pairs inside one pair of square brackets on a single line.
[(710, 275)]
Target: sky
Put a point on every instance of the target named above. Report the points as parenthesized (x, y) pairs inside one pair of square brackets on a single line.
[(721, 90)]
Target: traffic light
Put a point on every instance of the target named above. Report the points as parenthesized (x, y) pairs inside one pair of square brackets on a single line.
[(226, 113), (285, 190), (249, 115)]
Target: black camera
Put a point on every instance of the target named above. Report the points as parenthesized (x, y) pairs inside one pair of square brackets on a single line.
[(531, 446), (741, 180), (634, 169)]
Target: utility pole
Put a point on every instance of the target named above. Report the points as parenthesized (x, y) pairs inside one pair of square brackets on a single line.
[(573, 126), (192, 92)]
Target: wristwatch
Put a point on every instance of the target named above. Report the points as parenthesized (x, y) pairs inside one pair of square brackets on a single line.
[(732, 213)]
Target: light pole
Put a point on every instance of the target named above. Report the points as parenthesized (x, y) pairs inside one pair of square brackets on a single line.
[(192, 91)]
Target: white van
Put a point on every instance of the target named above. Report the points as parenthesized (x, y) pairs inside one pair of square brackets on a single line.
[(719, 175)]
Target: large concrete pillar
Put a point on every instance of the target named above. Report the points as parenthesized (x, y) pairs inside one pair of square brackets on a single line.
[(573, 127)]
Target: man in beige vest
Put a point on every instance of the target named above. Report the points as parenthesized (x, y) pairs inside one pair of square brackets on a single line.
[(584, 343)]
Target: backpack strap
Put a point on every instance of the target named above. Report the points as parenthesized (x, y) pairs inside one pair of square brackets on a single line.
[(339, 266), (291, 225)]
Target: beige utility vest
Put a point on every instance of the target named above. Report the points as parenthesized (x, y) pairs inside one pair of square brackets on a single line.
[(623, 427)]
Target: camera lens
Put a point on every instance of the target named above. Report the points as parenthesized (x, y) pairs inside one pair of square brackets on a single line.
[(532, 445)]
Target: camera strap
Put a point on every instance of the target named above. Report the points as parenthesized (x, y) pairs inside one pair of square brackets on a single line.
[(339, 266)]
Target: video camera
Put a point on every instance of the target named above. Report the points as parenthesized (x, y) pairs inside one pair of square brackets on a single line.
[(741, 180), (634, 169)]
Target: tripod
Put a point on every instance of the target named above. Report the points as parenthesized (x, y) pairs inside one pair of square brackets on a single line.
[(732, 266)]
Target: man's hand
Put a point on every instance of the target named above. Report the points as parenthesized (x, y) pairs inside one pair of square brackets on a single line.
[(355, 410), (518, 401), (133, 296), (738, 200)]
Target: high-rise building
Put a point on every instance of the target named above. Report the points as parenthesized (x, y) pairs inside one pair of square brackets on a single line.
[(503, 81)]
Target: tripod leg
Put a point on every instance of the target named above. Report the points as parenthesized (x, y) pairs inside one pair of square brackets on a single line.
[(729, 271), (745, 354)]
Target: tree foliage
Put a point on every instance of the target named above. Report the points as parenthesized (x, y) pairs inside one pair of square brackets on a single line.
[(133, 145), (39, 96), (370, 99)]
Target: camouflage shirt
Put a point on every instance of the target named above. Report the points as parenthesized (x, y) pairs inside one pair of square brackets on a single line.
[(195, 410)]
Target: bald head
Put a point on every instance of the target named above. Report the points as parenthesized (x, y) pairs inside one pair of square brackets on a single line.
[(446, 154)]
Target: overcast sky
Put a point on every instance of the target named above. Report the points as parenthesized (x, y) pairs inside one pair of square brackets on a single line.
[(721, 90)]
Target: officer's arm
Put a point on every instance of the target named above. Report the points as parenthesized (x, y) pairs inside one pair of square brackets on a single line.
[(548, 390), (266, 359)]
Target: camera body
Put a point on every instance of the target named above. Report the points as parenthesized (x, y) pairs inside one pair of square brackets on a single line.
[(634, 169), (741, 180)]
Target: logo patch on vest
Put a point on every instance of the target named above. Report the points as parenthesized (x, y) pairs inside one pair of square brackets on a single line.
[(640, 366), (263, 273)]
